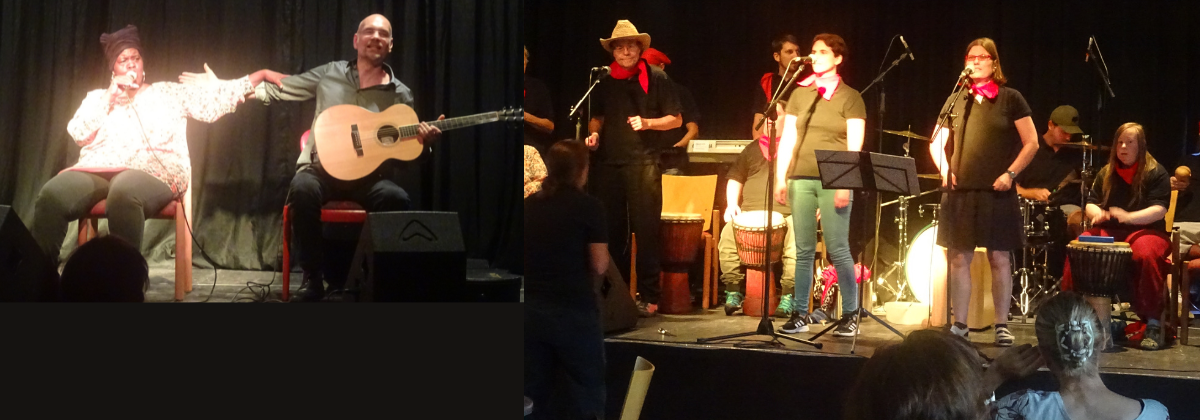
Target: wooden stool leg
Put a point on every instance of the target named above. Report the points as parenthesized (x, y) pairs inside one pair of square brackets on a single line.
[(183, 265), (1186, 292), (633, 267), (707, 269), (287, 267)]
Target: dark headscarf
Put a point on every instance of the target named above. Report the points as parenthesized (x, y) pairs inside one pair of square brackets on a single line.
[(118, 41)]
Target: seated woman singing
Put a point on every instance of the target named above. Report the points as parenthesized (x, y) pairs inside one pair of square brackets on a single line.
[(1128, 202)]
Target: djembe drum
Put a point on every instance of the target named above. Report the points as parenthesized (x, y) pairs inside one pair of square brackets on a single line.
[(756, 250), (681, 239), (1100, 269)]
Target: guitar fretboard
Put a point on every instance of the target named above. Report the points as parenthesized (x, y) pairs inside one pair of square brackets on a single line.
[(453, 123)]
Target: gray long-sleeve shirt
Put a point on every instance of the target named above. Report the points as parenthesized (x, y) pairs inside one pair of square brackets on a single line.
[(332, 84)]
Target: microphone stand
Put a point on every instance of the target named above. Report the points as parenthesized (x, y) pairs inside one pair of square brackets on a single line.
[(1106, 85), (943, 119), (764, 324), (592, 81), (882, 107)]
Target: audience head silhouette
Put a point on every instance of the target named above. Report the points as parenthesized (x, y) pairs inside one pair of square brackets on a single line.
[(930, 375), (1069, 335), (105, 269)]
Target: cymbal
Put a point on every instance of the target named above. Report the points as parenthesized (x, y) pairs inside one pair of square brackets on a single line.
[(1085, 145), (906, 133)]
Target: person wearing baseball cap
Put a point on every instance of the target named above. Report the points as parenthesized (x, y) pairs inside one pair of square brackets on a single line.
[(1052, 178), (630, 110)]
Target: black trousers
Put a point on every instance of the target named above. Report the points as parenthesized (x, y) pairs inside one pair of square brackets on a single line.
[(312, 187), (632, 197), (566, 339), (132, 196)]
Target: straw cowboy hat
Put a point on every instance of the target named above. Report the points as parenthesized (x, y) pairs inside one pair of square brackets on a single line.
[(625, 30)]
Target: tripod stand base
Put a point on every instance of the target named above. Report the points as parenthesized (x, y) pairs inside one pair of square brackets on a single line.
[(846, 318), (764, 328)]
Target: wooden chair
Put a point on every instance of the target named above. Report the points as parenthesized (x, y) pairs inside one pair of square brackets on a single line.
[(690, 194), (179, 210), (1176, 292), (331, 212)]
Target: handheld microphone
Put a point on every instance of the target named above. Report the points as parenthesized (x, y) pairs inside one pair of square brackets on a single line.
[(1088, 55), (910, 55), (131, 85)]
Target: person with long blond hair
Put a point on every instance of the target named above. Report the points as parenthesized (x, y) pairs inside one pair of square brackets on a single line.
[(994, 139), (1129, 201)]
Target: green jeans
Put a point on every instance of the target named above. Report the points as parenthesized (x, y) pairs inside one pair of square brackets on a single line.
[(805, 196)]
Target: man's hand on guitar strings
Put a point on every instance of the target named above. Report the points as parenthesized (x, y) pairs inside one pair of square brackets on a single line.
[(427, 133)]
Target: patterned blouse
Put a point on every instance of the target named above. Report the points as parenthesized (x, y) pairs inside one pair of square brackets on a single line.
[(535, 171), (150, 133)]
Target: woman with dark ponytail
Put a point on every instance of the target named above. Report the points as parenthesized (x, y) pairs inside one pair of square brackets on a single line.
[(566, 250)]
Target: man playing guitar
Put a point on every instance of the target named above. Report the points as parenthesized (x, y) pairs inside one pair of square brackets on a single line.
[(367, 82)]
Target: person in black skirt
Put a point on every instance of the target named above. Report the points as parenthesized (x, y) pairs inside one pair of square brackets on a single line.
[(992, 138), (566, 250)]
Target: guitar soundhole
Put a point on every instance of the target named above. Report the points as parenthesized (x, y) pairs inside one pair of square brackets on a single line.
[(387, 135)]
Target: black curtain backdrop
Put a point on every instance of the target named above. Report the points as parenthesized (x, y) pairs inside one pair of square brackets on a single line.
[(459, 57), (720, 50)]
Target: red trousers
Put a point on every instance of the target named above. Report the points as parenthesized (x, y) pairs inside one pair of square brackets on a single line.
[(1151, 250)]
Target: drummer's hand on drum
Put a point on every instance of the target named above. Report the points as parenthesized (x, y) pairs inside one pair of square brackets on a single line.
[(841, 199), (1003, 182), (1118, 213), (1040, 194), (1102, 217), (781, 194), (732, 211)]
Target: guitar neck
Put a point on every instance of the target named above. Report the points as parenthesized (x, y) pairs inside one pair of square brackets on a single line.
[(453, 123)]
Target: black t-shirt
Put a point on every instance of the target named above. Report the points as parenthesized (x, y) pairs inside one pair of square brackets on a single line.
[(751, 170), (1187, 208), (760, 97), (1048, 169), (1156, 190), (558, 231), (616, 100), (821, 124), (691, 114), (990, 142), (537, 102)]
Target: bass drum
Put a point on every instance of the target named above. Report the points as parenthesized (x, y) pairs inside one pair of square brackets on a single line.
[(925, 264)]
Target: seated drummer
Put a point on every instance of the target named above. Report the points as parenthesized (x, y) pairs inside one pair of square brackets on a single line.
[(1048, 176), (1048, 179), (748, 186), (1128, 202)]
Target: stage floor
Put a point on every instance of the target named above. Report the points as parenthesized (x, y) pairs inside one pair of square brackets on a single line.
[(1177, 361), (229, 284)]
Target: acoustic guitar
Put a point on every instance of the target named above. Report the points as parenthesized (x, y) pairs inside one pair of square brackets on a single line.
[(352, 141)]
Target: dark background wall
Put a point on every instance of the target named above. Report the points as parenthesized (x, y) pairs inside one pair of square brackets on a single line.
[(720, 50), (459, 57)]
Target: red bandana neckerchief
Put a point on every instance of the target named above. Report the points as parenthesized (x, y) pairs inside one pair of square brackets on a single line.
[(829, 81), (1127, 173), (620, 73), (988, 89), (764, 147)]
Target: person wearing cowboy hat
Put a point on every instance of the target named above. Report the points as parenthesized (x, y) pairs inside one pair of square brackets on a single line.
[(630, 110)]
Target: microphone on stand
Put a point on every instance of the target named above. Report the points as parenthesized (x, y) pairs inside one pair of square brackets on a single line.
[(603, 71), (910, 56)]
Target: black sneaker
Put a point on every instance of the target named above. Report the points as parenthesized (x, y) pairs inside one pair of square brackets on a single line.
[(796, 324), (847, 329), (312, 289)]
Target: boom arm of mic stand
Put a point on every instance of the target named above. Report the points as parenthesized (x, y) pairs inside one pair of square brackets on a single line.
[(778, 95), (575, 109), (885, 72)]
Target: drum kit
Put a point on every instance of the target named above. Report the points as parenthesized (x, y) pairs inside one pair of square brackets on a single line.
[(921, 262)]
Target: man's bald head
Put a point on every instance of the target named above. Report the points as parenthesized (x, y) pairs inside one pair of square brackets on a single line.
[(374, 38), (371, 20)]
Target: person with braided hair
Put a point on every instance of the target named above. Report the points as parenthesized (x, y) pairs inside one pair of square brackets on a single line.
[(1070, 338)]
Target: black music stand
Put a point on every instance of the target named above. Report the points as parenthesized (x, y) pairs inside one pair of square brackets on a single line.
[(865, 171)]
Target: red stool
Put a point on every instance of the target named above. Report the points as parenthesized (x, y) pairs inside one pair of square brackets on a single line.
[(331, 212), (183, 238)]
